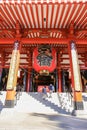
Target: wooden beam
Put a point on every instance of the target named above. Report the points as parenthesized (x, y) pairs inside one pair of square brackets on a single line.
[(43, 29), (42, 40)]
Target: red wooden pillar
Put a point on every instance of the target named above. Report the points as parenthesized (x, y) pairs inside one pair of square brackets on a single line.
[(86, 58), (76, 77), (28, 82), (59, 75), (3, 59), (29, 71), (59, 80)]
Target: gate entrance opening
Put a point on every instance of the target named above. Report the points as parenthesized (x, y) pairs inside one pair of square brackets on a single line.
[(45, 79)]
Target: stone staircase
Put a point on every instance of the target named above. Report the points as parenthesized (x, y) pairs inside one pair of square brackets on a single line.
[(60, 103), (34, 103), (66, 101), (84, 95)]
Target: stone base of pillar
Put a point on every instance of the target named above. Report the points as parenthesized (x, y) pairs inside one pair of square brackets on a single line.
[(10, 98), (78, 109), (78, 105), (80, 113), (9, 103)]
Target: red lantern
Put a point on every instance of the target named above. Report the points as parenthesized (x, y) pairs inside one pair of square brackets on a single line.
[(44, 59)]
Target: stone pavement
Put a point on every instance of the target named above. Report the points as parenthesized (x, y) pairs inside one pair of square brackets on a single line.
[(28, 115), (36, 121)]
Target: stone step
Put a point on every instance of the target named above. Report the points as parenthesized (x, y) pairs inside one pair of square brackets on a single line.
[(33, 102)]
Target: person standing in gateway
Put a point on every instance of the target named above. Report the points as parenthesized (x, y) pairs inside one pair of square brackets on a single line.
[(51, 90), (44, 91)]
